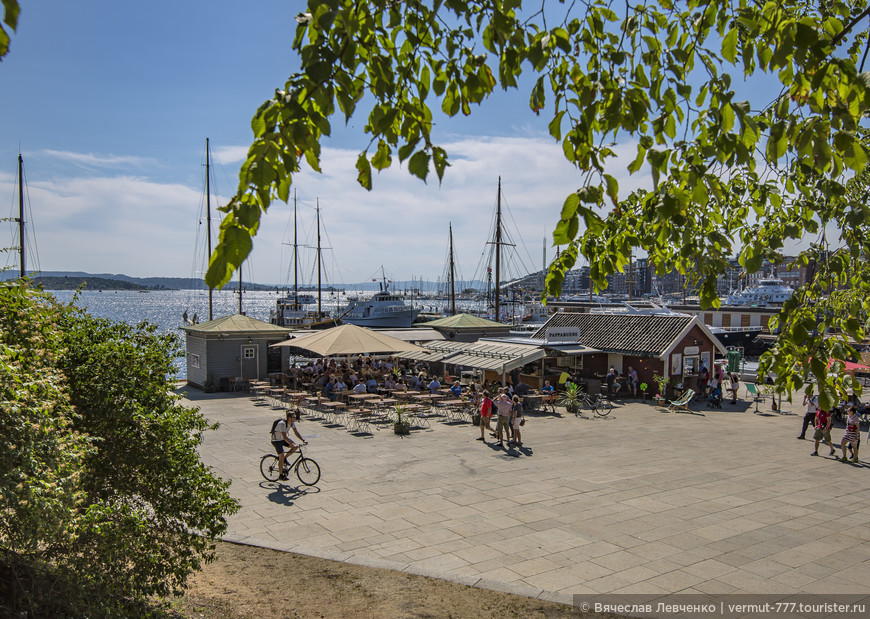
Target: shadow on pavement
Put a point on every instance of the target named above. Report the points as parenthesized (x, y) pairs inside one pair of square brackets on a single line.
[(283, 494)]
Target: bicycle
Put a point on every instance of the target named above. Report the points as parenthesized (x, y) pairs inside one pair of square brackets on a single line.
[(600, 406), (307, 470)]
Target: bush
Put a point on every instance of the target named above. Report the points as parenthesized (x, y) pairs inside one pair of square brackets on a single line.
[(101, 480)]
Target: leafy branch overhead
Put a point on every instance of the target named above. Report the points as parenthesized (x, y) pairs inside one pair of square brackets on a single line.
[(726, 176)]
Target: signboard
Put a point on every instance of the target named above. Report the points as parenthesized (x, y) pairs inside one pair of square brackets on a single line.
[(562, 334), (691, 350)]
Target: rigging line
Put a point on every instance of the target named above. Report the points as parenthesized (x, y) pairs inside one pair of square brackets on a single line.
[(32, 244)]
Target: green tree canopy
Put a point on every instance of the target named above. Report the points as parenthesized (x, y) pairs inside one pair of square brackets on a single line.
[(729, 176), (100, 477)]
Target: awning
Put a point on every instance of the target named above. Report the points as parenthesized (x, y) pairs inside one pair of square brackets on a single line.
[(572, 349), (485, 355)]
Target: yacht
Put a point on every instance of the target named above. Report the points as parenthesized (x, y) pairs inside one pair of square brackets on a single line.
[(384, 309), (769, 291)]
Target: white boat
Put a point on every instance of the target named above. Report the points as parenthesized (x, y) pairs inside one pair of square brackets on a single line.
[(383, 309), (768, 291)]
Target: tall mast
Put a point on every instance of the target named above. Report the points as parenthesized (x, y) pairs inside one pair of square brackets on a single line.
[(208, 223), (452, 277), (498, 250), (21, 212), (295, 258), (319, 295), (240, 286)]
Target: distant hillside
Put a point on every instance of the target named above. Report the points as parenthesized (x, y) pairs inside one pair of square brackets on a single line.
[(88, 282)]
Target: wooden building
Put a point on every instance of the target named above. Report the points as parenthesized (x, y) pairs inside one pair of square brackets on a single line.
[(232, 347)]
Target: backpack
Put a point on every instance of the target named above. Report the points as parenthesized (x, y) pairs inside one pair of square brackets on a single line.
[(275, 425)]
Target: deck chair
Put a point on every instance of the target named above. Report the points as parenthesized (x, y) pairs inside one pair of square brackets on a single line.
[(754, 392), (682, 403)]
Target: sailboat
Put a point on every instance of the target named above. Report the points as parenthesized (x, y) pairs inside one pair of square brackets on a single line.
[(289, 310)]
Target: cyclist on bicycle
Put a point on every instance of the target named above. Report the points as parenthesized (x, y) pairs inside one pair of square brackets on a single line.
[(280, 438)]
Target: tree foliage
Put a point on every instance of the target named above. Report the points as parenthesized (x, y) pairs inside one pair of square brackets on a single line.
[(10, 18), (101, 479), (730, 176)]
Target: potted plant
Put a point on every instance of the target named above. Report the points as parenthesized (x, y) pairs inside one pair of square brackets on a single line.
[(401, 425), (662, 386), (643, 388), (571, 398)]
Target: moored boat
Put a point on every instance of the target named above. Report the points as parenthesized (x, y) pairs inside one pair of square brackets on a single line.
[(384, 309)]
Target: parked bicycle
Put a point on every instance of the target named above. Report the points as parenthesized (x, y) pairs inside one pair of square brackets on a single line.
[(599, 405), (306, 469)]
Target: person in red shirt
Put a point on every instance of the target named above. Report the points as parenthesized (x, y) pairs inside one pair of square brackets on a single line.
[(485, 414), (823, 431)]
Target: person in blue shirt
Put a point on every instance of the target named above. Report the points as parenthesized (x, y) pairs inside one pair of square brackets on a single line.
[(434, 385), (456, 389), (548, 392)]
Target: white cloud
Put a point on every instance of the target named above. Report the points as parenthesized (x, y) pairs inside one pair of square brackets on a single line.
[(91, 161), (141, 227)]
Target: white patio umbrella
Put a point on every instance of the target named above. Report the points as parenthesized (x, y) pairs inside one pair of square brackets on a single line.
[(350, 340)]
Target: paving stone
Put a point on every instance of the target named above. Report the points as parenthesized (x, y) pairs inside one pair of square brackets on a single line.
[(744, 515)]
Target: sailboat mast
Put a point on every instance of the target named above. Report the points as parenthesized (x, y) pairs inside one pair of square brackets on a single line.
[(21, 213), (498, 250), (319, 293), (452, 277), (295, 258), (240, 288), (208, 221)]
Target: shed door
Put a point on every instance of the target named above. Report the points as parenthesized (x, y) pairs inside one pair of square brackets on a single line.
[(249, 367)]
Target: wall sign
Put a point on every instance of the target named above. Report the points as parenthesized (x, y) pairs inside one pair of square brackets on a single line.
[(691, 350), (562, 334)]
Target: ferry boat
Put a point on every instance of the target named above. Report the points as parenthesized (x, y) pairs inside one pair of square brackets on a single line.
[(384, 309), (768, 291)]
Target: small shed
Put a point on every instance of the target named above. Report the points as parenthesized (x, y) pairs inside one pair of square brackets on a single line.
[(232, 347), (467, 328)]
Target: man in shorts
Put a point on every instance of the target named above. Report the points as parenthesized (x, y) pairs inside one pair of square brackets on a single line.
[(504, 405), (280, 438), (823, 431), (812, 404)]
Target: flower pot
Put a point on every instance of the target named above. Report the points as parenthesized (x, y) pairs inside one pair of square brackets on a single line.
[(402, 427)]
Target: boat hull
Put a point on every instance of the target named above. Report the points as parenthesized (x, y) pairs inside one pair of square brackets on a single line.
[(402, 319)]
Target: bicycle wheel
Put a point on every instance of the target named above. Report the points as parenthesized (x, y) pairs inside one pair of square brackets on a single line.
[(602, 408), (308, 471), (269, 467)]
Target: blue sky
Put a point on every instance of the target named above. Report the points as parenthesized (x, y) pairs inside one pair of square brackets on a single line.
[(110, 104)]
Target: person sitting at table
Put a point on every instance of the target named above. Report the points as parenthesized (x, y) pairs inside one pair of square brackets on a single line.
[(329, 389), (434, 386), (548, 392), (456, 389), (340, 385), (371, 384), (359, 387), (401, 386), (389, 383)]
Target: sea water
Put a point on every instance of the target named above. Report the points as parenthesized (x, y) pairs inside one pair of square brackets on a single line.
[(165, 308)]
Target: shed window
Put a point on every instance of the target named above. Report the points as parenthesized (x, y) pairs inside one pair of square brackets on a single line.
[(249, 352), (194, 361)]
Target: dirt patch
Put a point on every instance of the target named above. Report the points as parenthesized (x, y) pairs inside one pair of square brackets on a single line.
[(246, 581)]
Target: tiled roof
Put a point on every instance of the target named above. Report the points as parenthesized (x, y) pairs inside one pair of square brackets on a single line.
[(236, 324), (627, 334)]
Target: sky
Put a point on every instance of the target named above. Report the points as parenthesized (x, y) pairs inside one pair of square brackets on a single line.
[(110, 104)]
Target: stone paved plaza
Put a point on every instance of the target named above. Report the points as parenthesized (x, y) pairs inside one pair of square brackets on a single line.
[(644, 501)]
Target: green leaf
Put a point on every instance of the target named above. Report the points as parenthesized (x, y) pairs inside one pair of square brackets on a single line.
[(612, 189), (364, 171), (729, 45), (418, 164)]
